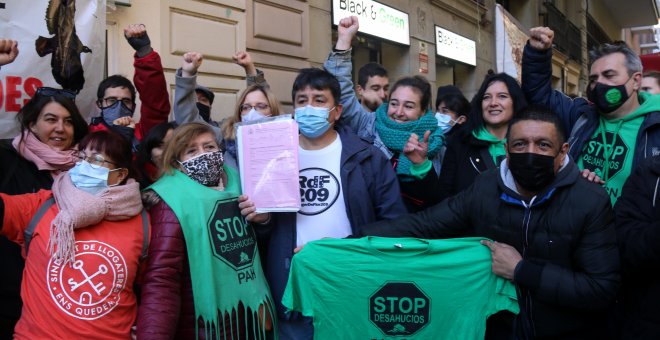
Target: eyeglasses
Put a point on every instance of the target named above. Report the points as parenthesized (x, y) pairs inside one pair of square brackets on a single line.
[(49, 92), (259, 107), (109, 101), (96, 160)]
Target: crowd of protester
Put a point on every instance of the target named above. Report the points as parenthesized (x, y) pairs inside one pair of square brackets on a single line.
[(563, 190)]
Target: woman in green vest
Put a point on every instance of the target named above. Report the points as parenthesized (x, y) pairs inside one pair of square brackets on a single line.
[(203, 277)]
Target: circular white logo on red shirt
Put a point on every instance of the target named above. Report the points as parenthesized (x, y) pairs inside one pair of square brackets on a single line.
[(90, 287)]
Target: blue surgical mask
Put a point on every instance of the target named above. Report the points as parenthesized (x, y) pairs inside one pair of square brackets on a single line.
[(89, 178), (252, 116), (312, 121), (445, 123), (115, 111)]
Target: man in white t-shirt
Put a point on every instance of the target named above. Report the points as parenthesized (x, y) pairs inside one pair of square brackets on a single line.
[(345, 182)]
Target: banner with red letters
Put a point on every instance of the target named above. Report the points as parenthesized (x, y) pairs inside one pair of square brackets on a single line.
[(61, 45)]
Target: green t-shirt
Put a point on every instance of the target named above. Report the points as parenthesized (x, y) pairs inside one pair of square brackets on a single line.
[(615, 141), (379, 288)]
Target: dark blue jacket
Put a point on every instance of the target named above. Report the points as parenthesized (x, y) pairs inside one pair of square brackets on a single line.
[(371, 193), (579, 117)]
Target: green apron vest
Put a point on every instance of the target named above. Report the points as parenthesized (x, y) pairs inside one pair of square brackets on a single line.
[(225, 268)]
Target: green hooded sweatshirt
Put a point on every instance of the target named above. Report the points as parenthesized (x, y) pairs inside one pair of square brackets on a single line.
[(614, 140)]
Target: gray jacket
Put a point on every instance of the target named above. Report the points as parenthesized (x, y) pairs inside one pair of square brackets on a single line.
[(185, 107)]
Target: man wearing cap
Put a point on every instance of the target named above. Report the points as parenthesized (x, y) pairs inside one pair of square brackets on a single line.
[(190, 108), (205, 102)]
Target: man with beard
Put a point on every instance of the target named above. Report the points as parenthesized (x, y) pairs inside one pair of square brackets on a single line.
[(553, 233)]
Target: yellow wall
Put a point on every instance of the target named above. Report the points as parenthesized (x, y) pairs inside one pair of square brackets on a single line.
[(605, 19)]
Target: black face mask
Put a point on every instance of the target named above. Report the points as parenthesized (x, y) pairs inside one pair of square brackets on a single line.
[(608, 98), (204, 111), (532, 171)]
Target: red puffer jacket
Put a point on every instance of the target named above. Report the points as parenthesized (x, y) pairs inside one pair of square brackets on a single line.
[(166, 310)]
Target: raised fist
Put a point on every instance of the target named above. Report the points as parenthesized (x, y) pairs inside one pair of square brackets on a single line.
[(346, 30), (8, 51), (244, 59), (191, 63), (137, 37), (540, 38)]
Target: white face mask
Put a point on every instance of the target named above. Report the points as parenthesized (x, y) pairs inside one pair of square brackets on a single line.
[(445, 123), (252, 116)]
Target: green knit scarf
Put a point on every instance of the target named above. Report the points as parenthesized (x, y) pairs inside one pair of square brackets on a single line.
[(395, 135)]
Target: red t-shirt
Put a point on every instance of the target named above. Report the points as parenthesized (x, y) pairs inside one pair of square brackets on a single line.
[(90, 298)]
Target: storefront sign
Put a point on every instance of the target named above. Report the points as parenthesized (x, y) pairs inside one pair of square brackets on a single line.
[(453, 46), (375, 19)]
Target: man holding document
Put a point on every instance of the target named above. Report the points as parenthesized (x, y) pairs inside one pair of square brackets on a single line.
[(345, 182)]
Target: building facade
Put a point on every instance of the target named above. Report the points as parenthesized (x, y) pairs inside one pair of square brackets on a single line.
[(285, 35)]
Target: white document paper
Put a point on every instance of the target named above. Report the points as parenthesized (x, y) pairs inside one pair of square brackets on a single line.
[(268, 163)]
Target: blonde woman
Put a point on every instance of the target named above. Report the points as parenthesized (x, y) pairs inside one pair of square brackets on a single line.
[(204, 274)]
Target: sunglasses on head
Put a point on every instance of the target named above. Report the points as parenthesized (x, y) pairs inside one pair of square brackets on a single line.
[(49, 92)]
